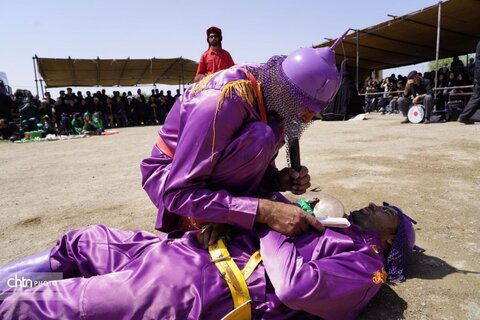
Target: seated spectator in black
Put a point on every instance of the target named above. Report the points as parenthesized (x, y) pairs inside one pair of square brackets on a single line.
[(371, 86), (139, 93), (89, 98), (77, 123), (461, 81), (65, 128), (70, 96), (120, 112), (28, 115), (177, 95), (446, 69), (457, 66), (62, 95), (170, 100), (6, 103), (9, 131), (79, 106), (152, 108), (79, 95), (139, 110), (417, 91), (124, 97), (441, 83), (157, 94), (18, 99), (393, 104), (131, 113), (452, 81), (162, 107), (108, 117), (387, 86), (46, 125), (45, 109), (69, 107), (50, 100), (57, 111)]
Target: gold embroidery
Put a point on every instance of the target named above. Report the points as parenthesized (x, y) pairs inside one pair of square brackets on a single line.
[(202, 84), (380, 276), (375, 248)]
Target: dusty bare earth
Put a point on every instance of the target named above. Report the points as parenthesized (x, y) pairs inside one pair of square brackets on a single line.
[(431, 171)]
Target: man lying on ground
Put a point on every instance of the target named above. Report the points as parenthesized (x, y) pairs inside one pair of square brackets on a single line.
[(115, 274)]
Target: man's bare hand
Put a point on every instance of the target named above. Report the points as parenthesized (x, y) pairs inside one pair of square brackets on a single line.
[(211, 232), (291, 180), (287, 219)]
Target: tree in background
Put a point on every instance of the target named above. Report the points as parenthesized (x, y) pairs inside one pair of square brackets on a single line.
[(441, 62)]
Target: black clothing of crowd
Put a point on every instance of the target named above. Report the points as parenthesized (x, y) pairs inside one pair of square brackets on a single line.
[(454, 76), (54, 116)]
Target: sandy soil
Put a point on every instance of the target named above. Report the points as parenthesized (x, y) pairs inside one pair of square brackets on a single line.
[(431, 171)]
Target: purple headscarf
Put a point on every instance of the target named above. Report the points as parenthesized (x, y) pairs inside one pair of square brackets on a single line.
[(402, 247)]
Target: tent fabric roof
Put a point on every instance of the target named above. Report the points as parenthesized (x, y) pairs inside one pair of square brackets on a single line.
[(412, 38), (114, 72)]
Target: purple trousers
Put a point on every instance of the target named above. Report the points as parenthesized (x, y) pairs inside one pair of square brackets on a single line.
[(116, 274)]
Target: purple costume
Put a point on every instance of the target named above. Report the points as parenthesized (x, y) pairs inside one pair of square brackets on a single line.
[(222, 158), (139, 275)]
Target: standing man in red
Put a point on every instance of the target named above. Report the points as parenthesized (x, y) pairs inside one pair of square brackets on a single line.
[(215, 58)]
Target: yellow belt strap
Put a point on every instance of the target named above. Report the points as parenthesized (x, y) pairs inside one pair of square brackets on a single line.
[(236, 279)]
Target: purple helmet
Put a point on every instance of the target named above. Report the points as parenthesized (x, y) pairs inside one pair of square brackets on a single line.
[(314, 75)]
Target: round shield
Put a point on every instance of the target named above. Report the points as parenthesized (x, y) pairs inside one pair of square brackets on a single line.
[(416, 113)]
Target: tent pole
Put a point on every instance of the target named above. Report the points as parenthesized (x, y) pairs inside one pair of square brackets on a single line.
[(438, 46), (357, 58), (41, 88), (35, 73)]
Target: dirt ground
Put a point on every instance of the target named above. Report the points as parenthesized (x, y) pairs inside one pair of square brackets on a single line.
[(431, 171)]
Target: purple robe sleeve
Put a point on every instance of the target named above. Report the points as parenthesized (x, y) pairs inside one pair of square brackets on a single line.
[(186, 191), (333, 287)]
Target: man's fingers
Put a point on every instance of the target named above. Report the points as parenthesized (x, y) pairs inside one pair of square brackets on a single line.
[(294, 174), (303, 180), (206, 235), (304, 226), (214, 235), (303, 171), (314, 223), (200, 238)]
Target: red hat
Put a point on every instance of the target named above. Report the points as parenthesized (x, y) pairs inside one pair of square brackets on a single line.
[(216, 31)]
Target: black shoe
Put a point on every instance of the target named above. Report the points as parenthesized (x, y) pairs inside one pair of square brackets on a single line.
[(426, 121), (466, 121), (405, 121)]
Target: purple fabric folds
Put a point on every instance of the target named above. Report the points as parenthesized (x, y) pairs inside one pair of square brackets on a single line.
[(219, 186), (139, 275)]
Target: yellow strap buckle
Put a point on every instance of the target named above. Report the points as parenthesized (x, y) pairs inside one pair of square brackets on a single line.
[(236, 279)]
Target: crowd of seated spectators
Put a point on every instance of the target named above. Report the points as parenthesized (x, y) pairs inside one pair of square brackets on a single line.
[(388, 90), (75, 113)]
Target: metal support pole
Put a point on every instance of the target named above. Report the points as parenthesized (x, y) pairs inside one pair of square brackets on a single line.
[(35, 73), (41, 88), (438, 45), (358, 58)]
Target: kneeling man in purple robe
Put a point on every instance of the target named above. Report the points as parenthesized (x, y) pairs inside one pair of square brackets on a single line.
[(214, 158), (251, 274)]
